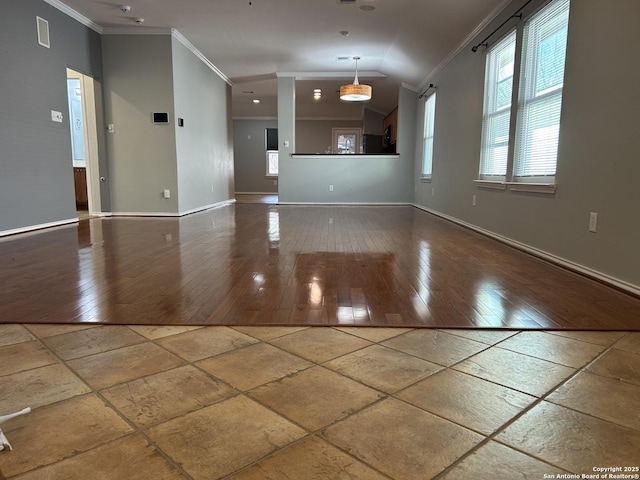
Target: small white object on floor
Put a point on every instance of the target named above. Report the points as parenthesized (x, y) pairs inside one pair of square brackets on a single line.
[(3, 418)]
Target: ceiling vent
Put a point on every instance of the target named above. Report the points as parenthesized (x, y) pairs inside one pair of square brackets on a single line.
[(347, 2), (343, 58)]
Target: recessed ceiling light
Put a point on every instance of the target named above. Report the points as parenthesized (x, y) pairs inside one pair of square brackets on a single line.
[(367, 8), (256, 100)]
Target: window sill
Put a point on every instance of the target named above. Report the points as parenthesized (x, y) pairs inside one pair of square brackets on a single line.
[(549, 188), (425, 179), (271, 176), (493, 184)]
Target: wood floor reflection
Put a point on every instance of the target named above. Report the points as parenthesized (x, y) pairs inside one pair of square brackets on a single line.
[(267, 264)]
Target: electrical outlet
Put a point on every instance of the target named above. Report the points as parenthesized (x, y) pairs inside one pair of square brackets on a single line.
[(166, 193), (473, 202), (433, 192), (331, 188), (593, 222), (111, 128)]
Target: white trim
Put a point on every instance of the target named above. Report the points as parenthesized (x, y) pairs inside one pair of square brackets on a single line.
[(40, 226), (348, 204), (465, 42), (42, 26), (575, 267), (175, 34), (75, 15), (324, 75), (494, 184), (256, 193), (350, 119), (410, 87), (136, 31), (191, 47), (144, 214), (256, 118), (532, 187), (171, 214), (211, 206)]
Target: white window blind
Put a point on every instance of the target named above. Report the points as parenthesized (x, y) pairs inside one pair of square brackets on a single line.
[(498, 87), (427, 147), (541, 82), (272, 163)]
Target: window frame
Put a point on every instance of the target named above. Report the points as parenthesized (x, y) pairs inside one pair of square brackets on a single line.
[(268, 173), (529, 98), (520, 101), (428, 134), (491, 110)]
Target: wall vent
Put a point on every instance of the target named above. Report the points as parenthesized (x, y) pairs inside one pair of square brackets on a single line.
[(347, 2), (43, 32)]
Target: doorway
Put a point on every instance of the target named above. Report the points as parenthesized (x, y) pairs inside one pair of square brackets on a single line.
[(84, 142)]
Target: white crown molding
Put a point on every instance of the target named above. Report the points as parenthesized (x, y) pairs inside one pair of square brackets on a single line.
[(190, 46), (325, 75), (462, 45), (409, 87), (175, 34), (136, 31), (75, 15)]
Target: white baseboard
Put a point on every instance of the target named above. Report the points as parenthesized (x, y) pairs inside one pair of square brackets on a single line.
[(550, 257), (172, 214), (256, 193), (348, 204), (41, 226)]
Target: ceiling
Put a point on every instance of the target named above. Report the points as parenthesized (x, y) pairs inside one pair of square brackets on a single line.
[(251, 41)]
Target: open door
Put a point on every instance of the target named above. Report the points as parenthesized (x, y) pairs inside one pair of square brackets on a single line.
[(84, 141)]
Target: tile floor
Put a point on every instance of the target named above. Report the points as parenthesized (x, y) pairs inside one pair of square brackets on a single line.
[(138, 402)]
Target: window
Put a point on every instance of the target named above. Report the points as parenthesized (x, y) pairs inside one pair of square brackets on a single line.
[(528, 154), (272, 163), (271, 147), (497, 108), (346, 140), (427, 144), (542, 77)]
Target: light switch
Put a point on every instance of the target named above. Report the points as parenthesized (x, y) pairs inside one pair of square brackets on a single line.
[(56, 116)]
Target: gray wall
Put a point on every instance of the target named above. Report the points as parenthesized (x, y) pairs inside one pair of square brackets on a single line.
[(204, 145), (36, 176), (355, 178), (372, 122), (250, 156), (315, 136), (138, 80), (598, 163)]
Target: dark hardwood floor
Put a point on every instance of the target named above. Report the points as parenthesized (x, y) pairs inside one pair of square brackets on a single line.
[(267, 264)]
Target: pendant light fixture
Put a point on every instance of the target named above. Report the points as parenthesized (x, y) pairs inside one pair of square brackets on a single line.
[(355, 92)]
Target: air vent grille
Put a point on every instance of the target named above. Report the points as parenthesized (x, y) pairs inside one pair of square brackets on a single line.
[(347, 2)]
